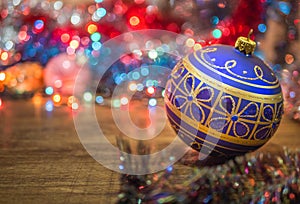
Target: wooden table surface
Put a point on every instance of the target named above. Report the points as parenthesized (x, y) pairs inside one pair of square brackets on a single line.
[(43, 161)]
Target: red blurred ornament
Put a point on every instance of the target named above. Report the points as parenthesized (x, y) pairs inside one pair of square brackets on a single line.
[(248, 15), (62, 71)]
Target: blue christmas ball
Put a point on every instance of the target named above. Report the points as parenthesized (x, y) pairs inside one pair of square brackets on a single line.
[(224, 101)]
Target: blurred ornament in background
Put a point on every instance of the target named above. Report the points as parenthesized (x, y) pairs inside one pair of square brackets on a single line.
[(62, 71), (23, 79), (224, 101)]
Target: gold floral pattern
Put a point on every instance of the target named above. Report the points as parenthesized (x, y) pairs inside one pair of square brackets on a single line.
[(233, 118), (272, 116), (190, 98)]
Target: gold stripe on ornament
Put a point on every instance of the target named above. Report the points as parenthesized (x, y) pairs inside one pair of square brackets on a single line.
[(189, 135), (212, 132), (271, 99)]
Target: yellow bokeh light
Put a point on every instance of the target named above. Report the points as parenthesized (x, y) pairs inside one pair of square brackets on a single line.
[(190, 42), (56, 98), (74, 44), (197, 47), (134, 21), (4, 56), (92, 28)]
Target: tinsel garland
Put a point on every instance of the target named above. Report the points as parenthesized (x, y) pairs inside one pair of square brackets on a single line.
[(262, 178)]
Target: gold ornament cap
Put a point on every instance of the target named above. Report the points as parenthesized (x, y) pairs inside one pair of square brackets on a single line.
[(246, 45)]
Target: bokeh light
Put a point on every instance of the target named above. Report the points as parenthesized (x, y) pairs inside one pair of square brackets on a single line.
[(56, 98), (116, 103), (153, 54), (2, 76), (49, 90), (87, 96), (134, 21), (262, 28), (132, 86), (124, 101), (92, 28), (99, 100), (150, 90), (49, 106), (65, 38), (96, 37), (217, 33), (75, 106), (152, 102), (101, 12)]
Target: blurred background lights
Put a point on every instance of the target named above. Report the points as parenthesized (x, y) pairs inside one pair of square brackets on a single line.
[(149, 83), (57, 98), (152, 102), (9, 45), (292, 94), (75, 19), (96, 45), (74, 44), (116, 103), (66, 64), (92, 28), (139, 1), (217, 33), (58, 5), (134, 21), (39, 24), (284, 7), (136, 75), (16, 2), (49, 90), (124, 100), (101, 12), (190, 42), (99, 99), (150, 90), (163, 93), (132, 86), (22, 35), (262, 28), (4, 56), (144, 71), (2, 76), (197, 47), (215, 20), (65, 38), (289, 59), (140, 87), (87, 96), (75, 106), (96, 37), (58, 84), (49, 106), (152, 54)]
